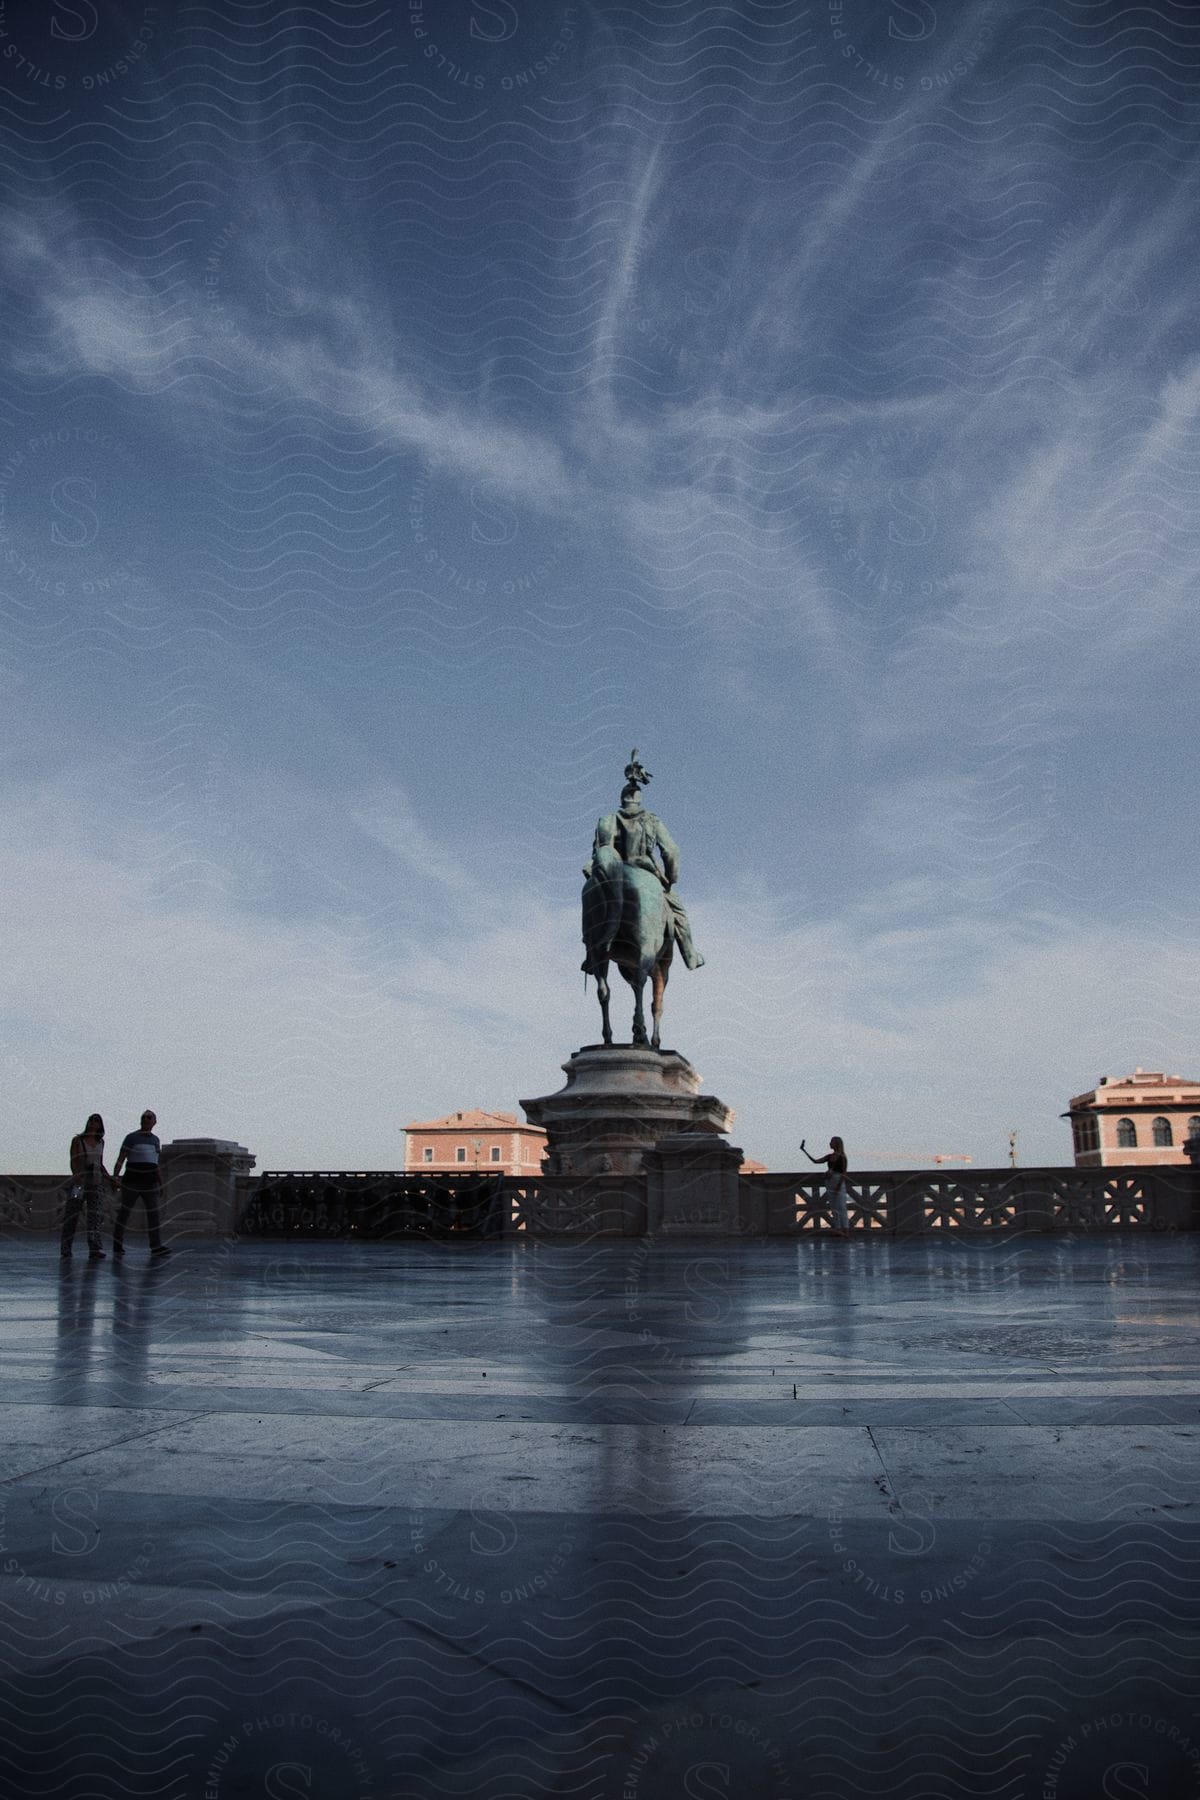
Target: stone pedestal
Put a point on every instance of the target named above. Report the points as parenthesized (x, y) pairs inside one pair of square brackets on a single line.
[(200, 1186), (693, 1188), (619, 1101)]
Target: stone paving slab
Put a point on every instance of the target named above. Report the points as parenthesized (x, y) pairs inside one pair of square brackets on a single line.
[(506, 1466), (1082, 1472), (1040, 1472)]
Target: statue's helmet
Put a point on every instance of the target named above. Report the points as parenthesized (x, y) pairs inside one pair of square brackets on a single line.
[(635, 775)]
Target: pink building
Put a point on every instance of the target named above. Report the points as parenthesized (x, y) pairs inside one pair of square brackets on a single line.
[(464, 1143), (1140, 1118)]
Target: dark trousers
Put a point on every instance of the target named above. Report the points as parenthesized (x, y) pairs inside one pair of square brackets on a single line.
[(131, 1193), (80, 1194)]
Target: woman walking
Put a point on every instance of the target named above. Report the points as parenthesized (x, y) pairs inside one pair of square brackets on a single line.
[(87, 1177), (835, 1187)]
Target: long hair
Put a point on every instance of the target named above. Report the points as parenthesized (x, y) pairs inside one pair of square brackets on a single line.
[(836, 1144), (99, 1121)]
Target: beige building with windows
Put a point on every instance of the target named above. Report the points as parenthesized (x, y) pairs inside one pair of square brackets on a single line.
[(464, 1143), (1138, 1119)]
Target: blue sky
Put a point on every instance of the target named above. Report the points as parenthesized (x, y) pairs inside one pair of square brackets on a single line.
[(406, 410)]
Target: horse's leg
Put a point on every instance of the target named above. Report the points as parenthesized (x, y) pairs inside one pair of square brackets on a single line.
[(602, 991), (635, 974), (659, 977), (637, 982)]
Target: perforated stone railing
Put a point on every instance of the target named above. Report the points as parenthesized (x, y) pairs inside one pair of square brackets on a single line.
[(35, 1202), (1154, 1198), (796, 1203), (907, 1203), (371, 1204), (16, 1202), (895, 1203), (901, 1203), (570, 1206)]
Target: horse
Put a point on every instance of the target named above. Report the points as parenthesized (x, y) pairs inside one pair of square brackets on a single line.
[(631, 900)]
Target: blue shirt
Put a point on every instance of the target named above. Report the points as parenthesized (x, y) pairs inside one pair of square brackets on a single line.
[(140, 1150)]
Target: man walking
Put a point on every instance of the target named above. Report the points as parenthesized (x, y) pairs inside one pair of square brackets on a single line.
[(142, 1181)]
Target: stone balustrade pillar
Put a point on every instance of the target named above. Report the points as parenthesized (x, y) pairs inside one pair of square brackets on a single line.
[(693, 1188), (200, 1186), (906, 1210)]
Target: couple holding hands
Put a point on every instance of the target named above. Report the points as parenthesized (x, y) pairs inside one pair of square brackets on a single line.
[(139, 1154)]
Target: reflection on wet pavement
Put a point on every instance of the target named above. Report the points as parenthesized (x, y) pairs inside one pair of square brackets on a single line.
[(610, 1520)]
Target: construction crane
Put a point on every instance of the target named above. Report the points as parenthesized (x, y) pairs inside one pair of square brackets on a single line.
[(890, 1158)]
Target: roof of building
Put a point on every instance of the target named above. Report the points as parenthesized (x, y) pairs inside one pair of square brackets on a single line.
[(1115, 1091), (474, 1119), (1146, 1078)]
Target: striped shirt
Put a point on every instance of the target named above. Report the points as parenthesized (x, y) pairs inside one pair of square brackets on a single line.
[(140, 1150)]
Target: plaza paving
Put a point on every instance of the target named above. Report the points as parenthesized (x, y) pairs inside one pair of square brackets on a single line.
[(608, 1521)]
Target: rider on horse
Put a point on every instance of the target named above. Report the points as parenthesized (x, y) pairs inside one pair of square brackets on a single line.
[(630, 836)]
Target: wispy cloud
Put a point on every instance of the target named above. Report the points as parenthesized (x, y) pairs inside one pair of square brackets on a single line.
[(104, 321), (387, 817)]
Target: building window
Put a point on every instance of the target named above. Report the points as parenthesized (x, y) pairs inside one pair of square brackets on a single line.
[(1193, 1129), (1126, 1134), (1087, 1132), (427, 1153), (1162, 1133), (460, 1154), (495, 1153)]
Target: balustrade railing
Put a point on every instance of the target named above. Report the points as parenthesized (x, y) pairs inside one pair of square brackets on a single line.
[(35, 1202), (902, 1203), (907, 1202), (898, 1203), (366, 1204), (571, 1206)]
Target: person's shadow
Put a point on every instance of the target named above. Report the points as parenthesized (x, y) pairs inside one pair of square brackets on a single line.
[(74, 1339), (129, 1304), (134, 1304)]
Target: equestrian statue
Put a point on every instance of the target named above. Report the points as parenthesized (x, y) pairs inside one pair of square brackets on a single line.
[(631, 913)]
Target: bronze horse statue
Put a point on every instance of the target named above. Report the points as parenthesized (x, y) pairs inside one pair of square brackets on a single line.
[(631, 913), (641, 944)]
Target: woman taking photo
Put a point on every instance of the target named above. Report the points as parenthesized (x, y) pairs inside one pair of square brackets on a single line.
[(88, 1175), (835, 1187)]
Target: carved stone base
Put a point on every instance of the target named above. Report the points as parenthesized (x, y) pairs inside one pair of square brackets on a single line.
[(693, 1188), (619, 1101)]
